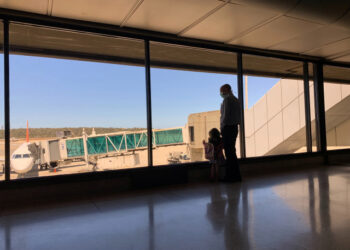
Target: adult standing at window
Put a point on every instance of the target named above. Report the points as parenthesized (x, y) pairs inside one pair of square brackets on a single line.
[(230, 117)]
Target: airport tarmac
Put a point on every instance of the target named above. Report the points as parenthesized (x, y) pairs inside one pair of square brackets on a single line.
[(70, 168), (133, 159)]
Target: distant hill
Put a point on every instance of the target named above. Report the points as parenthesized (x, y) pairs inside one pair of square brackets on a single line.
[(51, 132)]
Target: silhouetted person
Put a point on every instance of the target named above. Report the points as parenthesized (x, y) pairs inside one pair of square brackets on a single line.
[(230, 117)]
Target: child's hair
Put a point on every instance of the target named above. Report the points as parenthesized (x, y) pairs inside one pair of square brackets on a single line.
[(214, 134)]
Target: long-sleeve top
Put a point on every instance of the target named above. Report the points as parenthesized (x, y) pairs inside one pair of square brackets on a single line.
[(230, 111)]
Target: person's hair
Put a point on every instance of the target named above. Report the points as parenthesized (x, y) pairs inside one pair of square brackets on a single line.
[(214, 134), (227, 87)]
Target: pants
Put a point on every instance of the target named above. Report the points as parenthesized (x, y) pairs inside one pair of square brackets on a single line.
[(229, 136)]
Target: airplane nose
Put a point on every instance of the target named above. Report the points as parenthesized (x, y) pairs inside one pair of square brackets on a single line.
[(22, 166)]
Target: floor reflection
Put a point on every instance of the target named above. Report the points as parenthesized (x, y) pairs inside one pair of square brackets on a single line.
[(316, 198), (324, 239), (312, 203), (308, 210), (7, 234), (151, 223), (230, 214)]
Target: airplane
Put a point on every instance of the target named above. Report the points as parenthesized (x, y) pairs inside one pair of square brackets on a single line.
[(22, 160)]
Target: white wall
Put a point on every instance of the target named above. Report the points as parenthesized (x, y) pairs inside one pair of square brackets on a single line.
[(278, 119), (282, 110)]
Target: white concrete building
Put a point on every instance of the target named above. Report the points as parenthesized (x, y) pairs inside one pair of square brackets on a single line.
[(276, 122)]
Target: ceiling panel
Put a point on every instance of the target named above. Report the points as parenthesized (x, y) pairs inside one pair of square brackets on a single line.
[(344, 59), (332, 49), (35, 6), (104, 11), (323, 12), (278, 30), (229, 22), (169, 15), (303, 29), (314, 39), (344, 21), (276, 5)]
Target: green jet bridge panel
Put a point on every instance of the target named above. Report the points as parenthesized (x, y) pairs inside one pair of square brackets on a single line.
[(122, 142)]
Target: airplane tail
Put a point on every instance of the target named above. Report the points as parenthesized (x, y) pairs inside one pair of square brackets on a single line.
[(27, 134)]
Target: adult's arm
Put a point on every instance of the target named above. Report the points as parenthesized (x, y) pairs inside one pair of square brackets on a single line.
[(226, 112)]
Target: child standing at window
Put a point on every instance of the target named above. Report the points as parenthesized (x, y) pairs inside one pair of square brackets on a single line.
[(214, 152)]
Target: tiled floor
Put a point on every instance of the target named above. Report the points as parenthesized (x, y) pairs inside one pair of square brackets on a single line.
[(305, 210)]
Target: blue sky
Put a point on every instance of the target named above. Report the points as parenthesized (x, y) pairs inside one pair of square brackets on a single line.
[(68, 93)]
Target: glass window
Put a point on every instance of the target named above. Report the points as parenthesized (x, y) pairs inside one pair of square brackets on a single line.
[(186, 99), (83, 96), (274, 106), (337, 106), (192, 133)]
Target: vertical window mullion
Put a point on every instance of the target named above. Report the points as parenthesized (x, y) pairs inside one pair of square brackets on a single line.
[(148, 103), (307, 107), (241, 101), (320, 109), (7, 99)]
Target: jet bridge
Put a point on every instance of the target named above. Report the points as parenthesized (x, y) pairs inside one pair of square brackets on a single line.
[(121, 142)]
